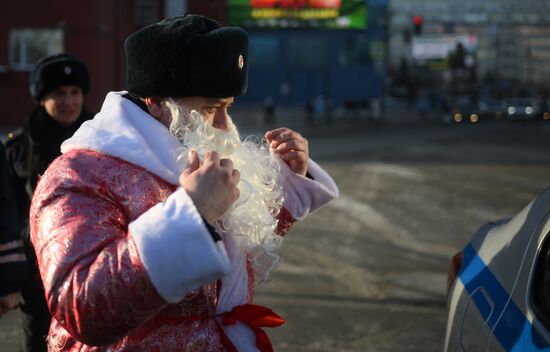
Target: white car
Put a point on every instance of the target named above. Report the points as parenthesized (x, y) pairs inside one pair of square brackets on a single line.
[(522, 109), (499, 287)]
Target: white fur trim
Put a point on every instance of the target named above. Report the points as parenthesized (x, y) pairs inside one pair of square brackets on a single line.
[(124, 130), (234, 292), (176, 249), (304, 195), (242, 336)]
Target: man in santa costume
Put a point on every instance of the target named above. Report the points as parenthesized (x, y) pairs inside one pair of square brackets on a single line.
[(153, 226)]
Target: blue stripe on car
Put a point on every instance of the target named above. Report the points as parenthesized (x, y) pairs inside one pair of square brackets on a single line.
[(513, 331)]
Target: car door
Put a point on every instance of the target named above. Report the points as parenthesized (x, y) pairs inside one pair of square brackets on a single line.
[(522, 305)]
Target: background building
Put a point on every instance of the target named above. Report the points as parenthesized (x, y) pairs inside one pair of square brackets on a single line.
[(297, 63), (512, 39), (92, 30), (291, 63)]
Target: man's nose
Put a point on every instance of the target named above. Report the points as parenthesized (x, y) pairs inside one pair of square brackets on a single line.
[(221, 120)]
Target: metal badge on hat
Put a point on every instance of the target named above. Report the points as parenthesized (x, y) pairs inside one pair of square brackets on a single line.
[(241, 62), (67, 70)]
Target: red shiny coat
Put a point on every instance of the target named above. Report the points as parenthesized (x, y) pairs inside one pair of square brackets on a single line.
[(97, 289)]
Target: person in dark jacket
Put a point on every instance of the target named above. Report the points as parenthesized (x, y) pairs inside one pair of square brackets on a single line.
[(58, 84), (13, 264)]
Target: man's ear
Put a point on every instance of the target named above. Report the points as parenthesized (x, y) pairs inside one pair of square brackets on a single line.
[(154, 107)]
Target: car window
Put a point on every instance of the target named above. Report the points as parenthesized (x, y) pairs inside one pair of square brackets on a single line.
[(541, 285)]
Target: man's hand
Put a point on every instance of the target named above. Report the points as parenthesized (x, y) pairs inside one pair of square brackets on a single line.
[(212, 186), (291, 146), (8, 303)]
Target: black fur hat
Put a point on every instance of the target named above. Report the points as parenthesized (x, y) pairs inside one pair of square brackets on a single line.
[(55, 71), (185, 56)]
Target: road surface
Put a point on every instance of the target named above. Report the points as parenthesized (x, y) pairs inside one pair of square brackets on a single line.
[(368, 271)]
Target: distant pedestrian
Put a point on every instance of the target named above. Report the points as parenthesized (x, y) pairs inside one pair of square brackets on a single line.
[(375, 111), (269, 112), (329, 110), (319, 105), (310, 113)]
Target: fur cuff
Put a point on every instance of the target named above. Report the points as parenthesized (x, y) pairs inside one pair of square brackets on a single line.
[(176, 248), (303, 195)]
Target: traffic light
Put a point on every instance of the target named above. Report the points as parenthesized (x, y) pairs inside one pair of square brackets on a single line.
[(417, 22)]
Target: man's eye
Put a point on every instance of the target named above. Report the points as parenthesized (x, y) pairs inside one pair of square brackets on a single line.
[(210, 110)]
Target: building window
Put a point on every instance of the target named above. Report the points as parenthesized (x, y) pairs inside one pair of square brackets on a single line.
[(354, 51), (263, 51), (27, 46), (147, 12), (308, 52)]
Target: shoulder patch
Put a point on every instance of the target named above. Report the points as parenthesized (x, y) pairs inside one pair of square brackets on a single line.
[(14, 134)]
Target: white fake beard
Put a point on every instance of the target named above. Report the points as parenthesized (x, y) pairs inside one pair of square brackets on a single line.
[(252, 218)]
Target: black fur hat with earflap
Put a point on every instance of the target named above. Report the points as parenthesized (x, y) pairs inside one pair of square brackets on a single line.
[(55, 71), (186, 56)]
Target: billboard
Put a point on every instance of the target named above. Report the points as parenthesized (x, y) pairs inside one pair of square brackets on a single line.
[(332, 14), (435, 50)]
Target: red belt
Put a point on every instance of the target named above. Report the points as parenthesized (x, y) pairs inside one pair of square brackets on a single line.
[(252, 315)]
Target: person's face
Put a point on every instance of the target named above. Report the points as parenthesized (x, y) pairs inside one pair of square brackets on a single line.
[(64, 104), (214, 110)]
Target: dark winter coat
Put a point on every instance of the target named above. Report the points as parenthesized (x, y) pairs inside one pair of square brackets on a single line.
[(31, 149), (13, 265)]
